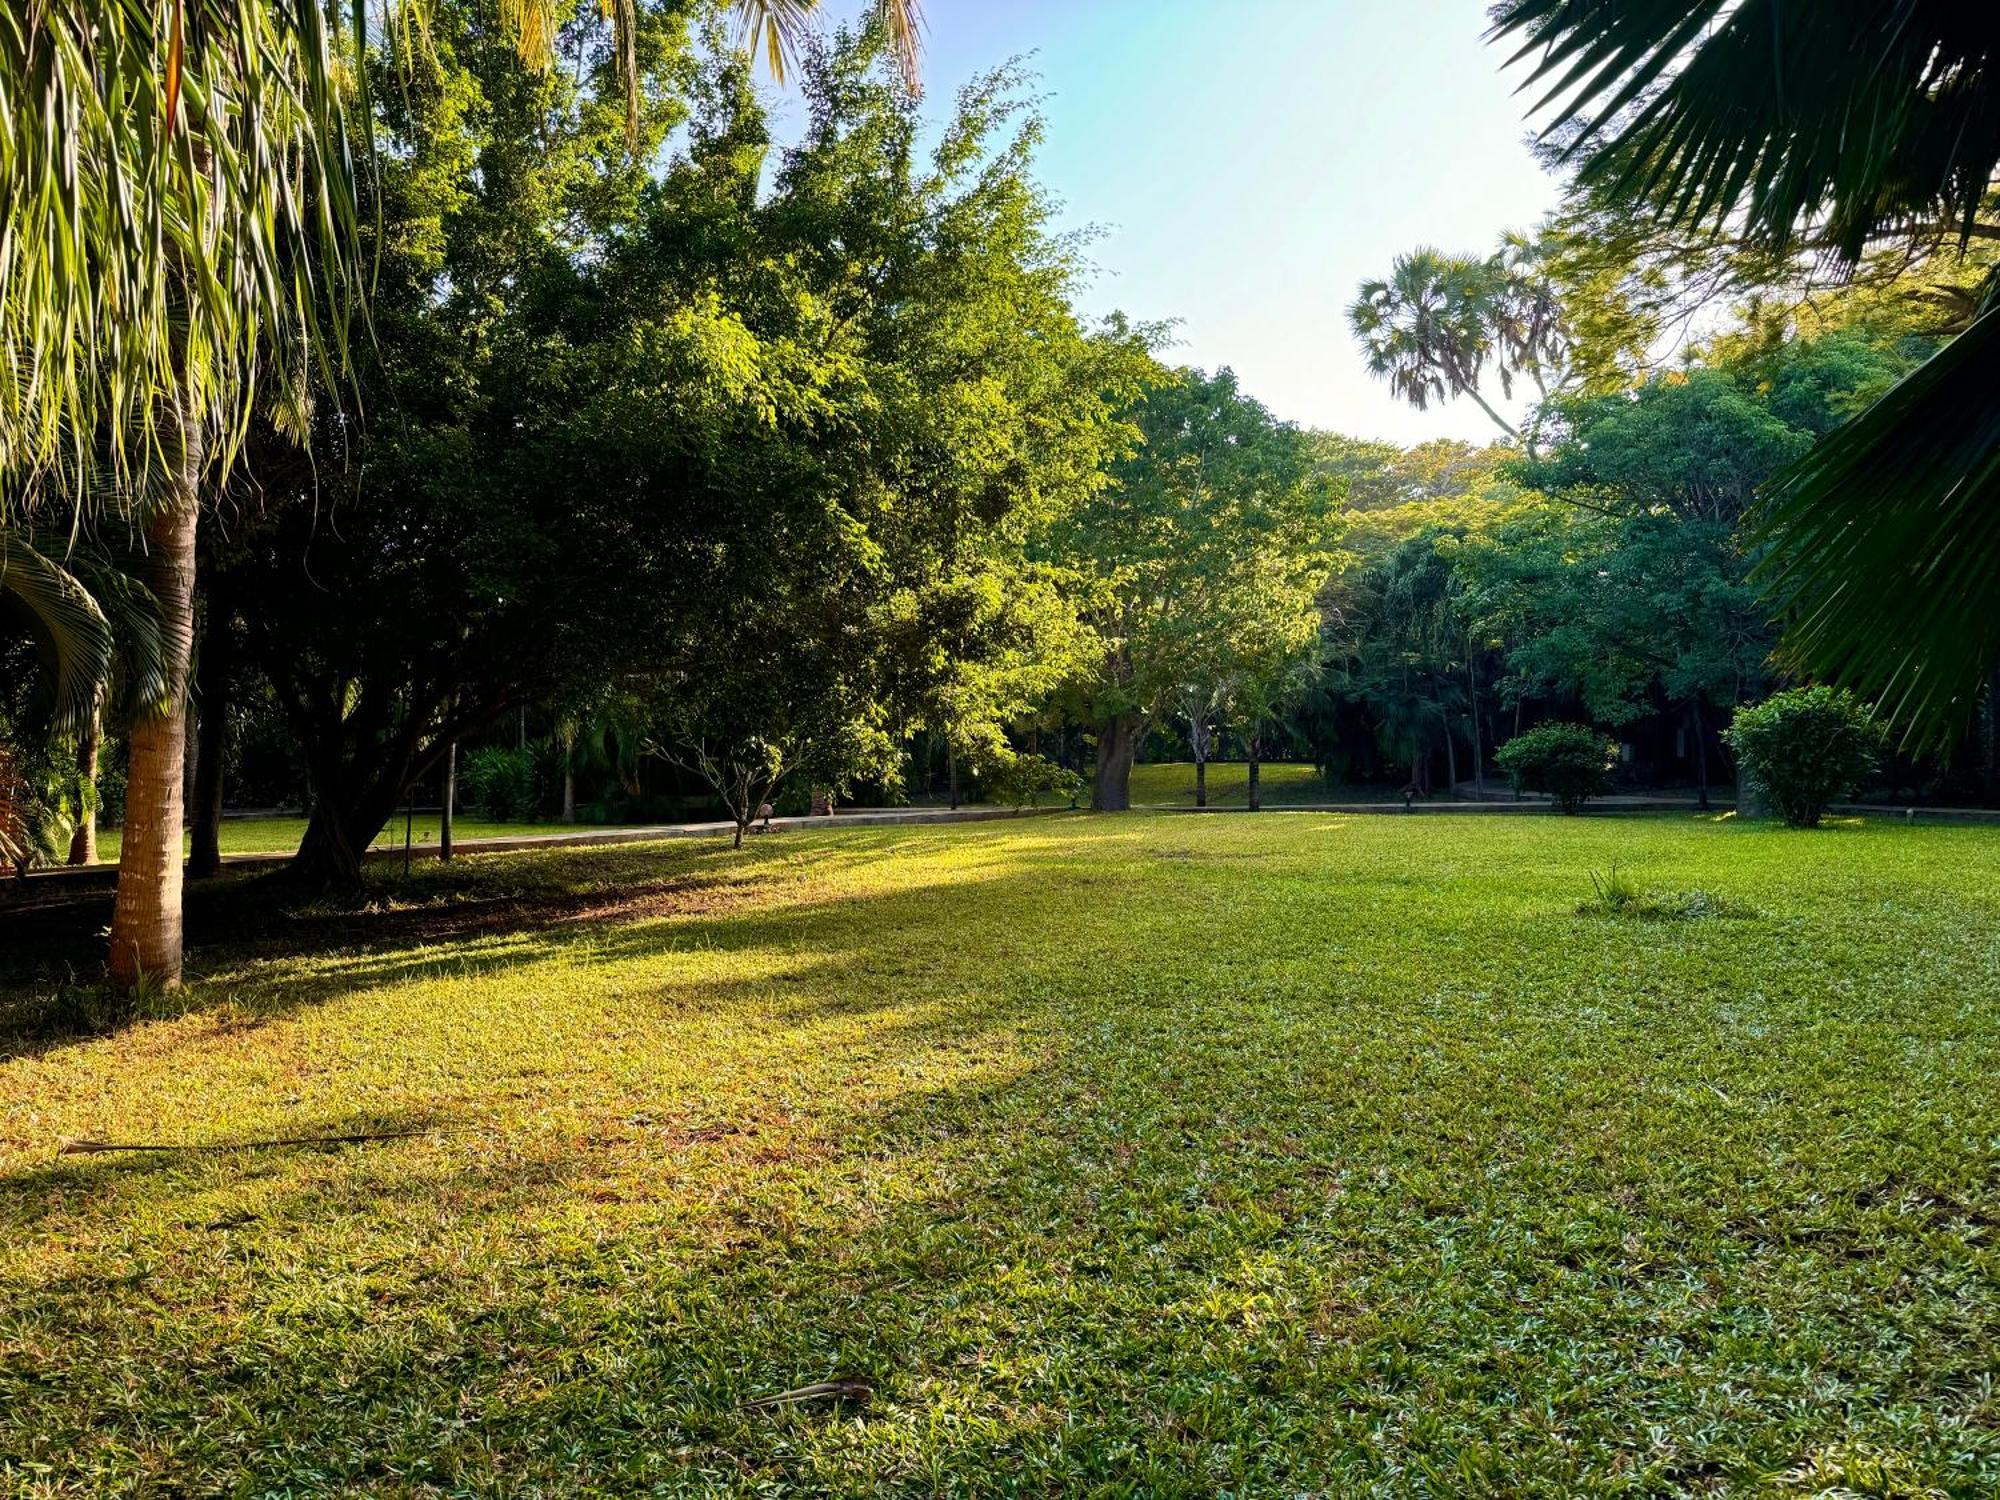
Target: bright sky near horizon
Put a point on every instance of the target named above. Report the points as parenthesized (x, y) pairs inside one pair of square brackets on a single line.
[(1250, 162)]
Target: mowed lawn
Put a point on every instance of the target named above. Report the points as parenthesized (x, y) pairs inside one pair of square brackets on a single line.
[(1283, 1155), (280, 835), (1171, 784)]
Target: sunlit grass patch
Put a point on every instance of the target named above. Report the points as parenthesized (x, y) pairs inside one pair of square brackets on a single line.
[(1148, 1155)]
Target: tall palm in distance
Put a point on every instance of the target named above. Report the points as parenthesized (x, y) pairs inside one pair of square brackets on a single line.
[(1426, 329), (1835, 129)]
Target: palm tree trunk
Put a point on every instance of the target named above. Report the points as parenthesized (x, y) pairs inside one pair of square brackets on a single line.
[(83, 843), (1499, 421), (1256, 788), (146, 916)]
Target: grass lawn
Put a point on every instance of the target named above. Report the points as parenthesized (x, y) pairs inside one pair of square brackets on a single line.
[(282, 835), (1171, 784), (1292, 1155)]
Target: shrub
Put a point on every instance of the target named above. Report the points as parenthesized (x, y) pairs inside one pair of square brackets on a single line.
[(500, 782), (1570, 762), (1020, 780), (1806, 748)]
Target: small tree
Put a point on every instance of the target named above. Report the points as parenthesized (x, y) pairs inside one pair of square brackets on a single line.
[(1806, 748), (1570, 762)]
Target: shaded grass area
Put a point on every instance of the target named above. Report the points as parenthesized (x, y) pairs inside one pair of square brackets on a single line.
[(282, 835), (1145, 1155)]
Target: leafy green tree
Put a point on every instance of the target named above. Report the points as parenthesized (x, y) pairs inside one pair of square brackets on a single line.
[(1202, 560), (407, 579), (1403, 647), (923, 403), (1695, 444)]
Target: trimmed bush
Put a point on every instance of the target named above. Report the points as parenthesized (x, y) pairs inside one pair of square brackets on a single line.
[(1806, 748), (1571, 763)]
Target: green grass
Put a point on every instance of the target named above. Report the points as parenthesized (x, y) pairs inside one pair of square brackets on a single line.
[(1171, 784), (282, 835), (1292, 1155)]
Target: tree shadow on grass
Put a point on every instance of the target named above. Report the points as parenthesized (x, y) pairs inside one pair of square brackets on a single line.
[(480, 915)]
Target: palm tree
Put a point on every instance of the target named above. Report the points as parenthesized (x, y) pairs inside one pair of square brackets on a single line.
[(179, 237), (1428, 328), (1831, 129)]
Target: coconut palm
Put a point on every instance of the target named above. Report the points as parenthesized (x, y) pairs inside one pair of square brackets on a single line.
[(1832, 128), (179, 238), (1428, 330)]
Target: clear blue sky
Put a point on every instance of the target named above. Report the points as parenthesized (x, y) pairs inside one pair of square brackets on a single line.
[(1251, 161)]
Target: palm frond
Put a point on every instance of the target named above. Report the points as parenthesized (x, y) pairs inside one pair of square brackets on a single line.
[(72, 636), (1861, 117), (1887, 543), (138, 680), (778, 28), (177, 197)]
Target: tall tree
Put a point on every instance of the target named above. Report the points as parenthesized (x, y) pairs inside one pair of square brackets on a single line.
[(1208, 549), (160, 268)]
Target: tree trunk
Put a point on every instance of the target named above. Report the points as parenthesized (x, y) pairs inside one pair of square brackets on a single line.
[(1117, 743), (347, 814), (1256, 789), (1450, 761), (1700, 750), (1200, 779), (569, 791), (951, 775), (1478, 751), (146, 916), (212, 690), (450, 799), (83, 843), (329, 856)]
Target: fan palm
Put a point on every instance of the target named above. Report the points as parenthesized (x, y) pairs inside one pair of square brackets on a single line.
[(1834, 127), (1427, 328)]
